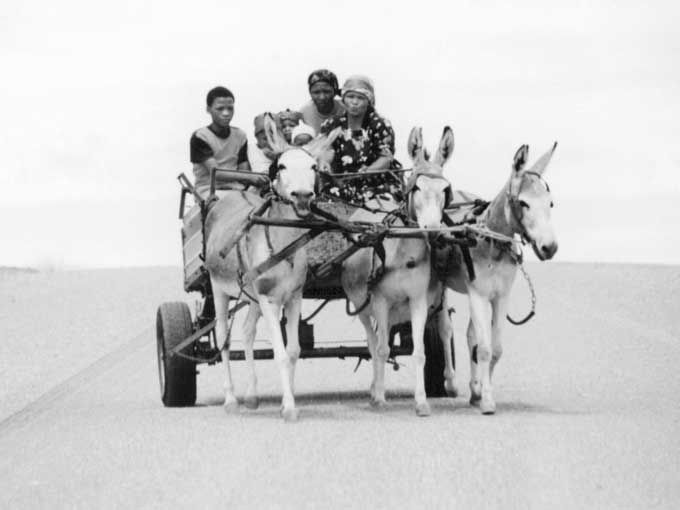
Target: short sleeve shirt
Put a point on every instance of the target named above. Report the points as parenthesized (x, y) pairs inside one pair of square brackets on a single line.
[(361, 147), (229, 149)]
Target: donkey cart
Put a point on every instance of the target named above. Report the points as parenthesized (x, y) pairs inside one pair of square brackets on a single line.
[(185, 341)]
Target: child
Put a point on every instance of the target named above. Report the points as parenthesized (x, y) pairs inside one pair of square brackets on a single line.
[(302, 134), (218, 145), (261, 155), (287, 120)]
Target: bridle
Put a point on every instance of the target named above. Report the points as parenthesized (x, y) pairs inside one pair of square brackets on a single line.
[(314, 168), (412, 186), (516, 208)]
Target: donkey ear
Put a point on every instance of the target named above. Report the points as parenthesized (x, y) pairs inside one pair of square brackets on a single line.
[(415, 144), (322, 143), (445, 149), (521, 157), (542, 162), (276, 141)]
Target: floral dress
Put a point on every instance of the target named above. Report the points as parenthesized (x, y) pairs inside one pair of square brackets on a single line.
[(361, 147)]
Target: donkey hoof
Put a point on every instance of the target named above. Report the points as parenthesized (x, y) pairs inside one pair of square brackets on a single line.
[(475, 399), (379, 404), (487, 406), (290, 414), (231, 406), (251, 402), (423, 409), (451, 389)]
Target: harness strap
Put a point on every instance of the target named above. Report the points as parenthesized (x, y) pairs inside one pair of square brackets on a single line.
[(465, 250), (240, 274), (358, 310), (275, 258)]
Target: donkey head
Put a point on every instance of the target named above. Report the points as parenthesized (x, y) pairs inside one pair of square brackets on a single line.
[(296, 166), (428, 190), (530, 202)]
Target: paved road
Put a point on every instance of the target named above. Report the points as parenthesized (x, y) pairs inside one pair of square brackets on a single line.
[(588, 417)]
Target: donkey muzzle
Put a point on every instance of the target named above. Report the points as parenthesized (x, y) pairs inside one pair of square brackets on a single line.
[(302, 201), (545, 251)]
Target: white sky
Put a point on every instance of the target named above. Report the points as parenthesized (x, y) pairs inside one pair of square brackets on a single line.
[(99, 100)]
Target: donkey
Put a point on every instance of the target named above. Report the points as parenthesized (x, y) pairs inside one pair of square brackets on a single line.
[(521, 208), (277, 288), (403, 290)]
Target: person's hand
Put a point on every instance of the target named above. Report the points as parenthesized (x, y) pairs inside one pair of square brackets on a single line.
[(363, 169), (324, 167)]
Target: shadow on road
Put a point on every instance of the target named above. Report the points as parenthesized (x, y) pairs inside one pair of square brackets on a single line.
[(333, 405)]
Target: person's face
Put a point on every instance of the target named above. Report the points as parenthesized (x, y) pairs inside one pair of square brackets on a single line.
[(263, 144), (356, 103), (222, 111), (287, 129), (261, 139), (322, 96)]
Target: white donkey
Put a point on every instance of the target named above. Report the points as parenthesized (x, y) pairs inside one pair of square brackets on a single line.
[(522, 207), (401, 293), (277, 288)]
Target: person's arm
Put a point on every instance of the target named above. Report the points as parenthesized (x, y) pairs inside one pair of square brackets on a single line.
[(326, 161), (382, 141), (201, 153), (242, 164), (209, 164), (327, 157), (382, 163)]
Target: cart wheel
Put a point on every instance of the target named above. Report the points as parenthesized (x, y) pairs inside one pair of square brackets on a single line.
[(177, 375), (434, 361)]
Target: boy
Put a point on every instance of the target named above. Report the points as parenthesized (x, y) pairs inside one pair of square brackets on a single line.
[(218, 145)]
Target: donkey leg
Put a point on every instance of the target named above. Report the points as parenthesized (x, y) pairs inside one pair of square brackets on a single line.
[(475, 382), (481, 320), (446, 335), (249, 329), (499, 308), (221, 318), (271, 313), (372, 340), (418, 308), (292, 311), (382, 350)]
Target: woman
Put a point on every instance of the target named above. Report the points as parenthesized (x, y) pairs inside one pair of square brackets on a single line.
[(323, 88), (367, 139)]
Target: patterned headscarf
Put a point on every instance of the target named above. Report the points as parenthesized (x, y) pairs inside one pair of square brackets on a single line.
[(326, 76), (361, 85)]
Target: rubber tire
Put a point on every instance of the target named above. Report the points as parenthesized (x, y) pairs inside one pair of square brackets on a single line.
[(434, 361), (176, 375)]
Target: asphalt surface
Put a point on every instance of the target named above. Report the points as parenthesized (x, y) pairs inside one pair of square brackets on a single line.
[(587, 417)]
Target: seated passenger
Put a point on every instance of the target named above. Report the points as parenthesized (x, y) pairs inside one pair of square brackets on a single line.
[(302, 134), (218, 145), (287, 120), (323, 88), (367, 139), (260, 155)]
